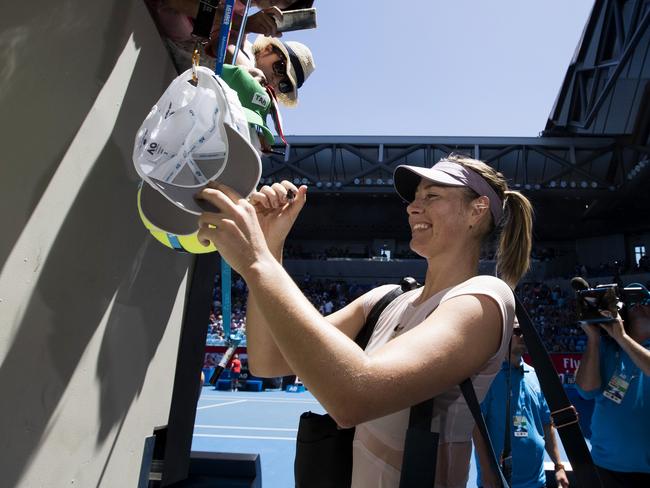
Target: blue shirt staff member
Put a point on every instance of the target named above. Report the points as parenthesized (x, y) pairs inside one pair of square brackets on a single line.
[(615, 371), (531, 430)]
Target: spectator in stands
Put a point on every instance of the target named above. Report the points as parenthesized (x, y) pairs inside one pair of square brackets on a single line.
[(529, 425), (553, 315), (316, 290), (615, 370), (419, 347), (328, 307)]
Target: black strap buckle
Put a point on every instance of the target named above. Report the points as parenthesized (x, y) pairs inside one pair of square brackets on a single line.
[(565, 416)]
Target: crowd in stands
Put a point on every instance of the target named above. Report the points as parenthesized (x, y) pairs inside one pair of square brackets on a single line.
[(326, 295), (614, 268), (216, 333), (551, 309), (543, 253), (296, 251), (540, 254), (329, 296)]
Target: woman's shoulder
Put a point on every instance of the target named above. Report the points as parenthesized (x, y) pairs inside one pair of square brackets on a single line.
[(483, 281), (483, 285), (371, 297)]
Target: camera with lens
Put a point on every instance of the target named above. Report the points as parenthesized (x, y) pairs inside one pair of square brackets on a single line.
[(616, 299)]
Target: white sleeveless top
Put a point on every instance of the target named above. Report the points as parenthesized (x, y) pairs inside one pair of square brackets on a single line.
[(379, 444)]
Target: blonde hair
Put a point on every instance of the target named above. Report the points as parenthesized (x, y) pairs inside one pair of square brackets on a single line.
[(515, 231)]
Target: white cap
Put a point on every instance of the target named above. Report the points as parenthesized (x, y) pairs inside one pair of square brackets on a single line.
[(195, 135)]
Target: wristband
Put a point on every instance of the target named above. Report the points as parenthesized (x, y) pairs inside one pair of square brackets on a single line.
[(559, 466)]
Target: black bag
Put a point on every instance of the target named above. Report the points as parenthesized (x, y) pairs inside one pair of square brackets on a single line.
[(323, 453), (323, 450)]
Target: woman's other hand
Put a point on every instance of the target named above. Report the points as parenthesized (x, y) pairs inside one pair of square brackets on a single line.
[(264, 22), (235, 231), (277, 208)]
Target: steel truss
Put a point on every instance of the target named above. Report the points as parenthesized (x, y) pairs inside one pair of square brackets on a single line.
[(592, 166), (606, 85)]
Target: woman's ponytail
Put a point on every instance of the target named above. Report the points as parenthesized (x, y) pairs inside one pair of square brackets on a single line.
[(515, 241)]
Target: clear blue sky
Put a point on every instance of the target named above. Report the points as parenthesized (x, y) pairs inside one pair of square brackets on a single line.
[(436, 67)]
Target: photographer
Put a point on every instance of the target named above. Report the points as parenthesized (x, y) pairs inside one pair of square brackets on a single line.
[(615, 371), (426, 341)]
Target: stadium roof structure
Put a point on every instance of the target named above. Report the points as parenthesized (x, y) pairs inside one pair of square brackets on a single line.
[(587, 174)]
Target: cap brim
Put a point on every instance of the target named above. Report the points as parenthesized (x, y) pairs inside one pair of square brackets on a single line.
[(163, 214), (407, 178), (241, 173)]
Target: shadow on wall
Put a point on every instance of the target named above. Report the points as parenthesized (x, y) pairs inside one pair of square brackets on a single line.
[(101, 262), (49, 96)]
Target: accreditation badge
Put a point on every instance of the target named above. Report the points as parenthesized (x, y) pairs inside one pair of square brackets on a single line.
[(520, 426), (617, 388)]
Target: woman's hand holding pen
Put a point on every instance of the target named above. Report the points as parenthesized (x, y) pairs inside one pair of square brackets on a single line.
[(248, 231)]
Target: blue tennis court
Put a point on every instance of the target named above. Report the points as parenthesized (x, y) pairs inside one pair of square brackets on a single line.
[(253, 422), (260, 422)]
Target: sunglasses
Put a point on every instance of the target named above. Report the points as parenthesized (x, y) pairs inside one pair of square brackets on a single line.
[(280, 69), (517, 331)]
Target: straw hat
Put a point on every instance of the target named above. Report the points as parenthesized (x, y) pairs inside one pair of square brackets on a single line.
[(300, 64)]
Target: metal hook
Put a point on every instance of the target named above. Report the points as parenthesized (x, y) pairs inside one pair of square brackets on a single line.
[(196, 56)]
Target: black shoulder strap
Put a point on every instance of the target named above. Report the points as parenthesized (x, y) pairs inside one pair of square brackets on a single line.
[(564, 415), (420, 449), (472, 402), (421, 445), (506, 455), (363, 337)]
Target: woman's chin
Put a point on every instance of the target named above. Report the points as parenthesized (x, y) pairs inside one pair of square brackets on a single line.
[(418, 249)]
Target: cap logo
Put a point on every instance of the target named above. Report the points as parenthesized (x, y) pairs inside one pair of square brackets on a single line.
[(260, 99)]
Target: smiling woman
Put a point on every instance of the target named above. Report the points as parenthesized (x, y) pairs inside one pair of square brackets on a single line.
[(419, 347)]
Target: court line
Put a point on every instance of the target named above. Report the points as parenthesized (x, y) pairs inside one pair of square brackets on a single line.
[(268, 400), (221, 404), (243, 428), (258, 437)]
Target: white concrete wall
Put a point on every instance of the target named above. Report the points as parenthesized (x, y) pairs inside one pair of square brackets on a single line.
[(90, 305)]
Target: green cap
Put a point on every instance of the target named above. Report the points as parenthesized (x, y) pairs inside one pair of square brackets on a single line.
[(253, 97)]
